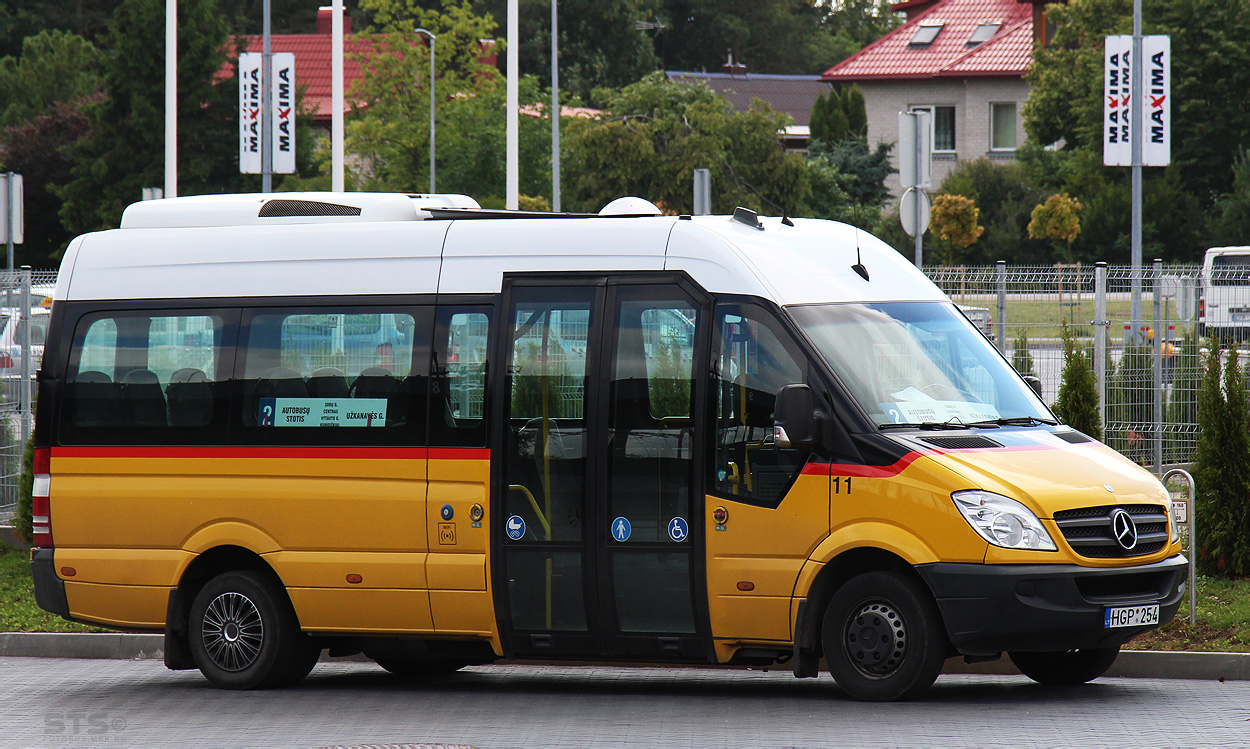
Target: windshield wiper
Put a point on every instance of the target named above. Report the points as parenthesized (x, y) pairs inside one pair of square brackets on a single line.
[(1023, 421), (925, 425)]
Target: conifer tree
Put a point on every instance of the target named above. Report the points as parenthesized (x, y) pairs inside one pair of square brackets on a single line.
[(1021, 358), (1077, 405), (818, 126), (856, 113), (1221, 469)]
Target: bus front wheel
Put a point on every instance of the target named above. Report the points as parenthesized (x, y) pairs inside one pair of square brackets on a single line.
[(882, 637), (244, 634), (1065, 667)]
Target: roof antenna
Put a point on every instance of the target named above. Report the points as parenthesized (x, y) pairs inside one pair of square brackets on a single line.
[(785, 219), (858, 267)]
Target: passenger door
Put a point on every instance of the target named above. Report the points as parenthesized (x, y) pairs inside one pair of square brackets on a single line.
[(597, 481)]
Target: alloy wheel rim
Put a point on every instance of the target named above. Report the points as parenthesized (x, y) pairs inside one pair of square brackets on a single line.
[(875, 639), (233, 631)]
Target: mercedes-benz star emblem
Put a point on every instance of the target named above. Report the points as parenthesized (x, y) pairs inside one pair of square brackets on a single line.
[(1124, 529)]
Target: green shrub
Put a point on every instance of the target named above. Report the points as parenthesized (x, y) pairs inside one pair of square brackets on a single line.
[(1221, 469), (1021, 358), (25, 482), (1077, 405)]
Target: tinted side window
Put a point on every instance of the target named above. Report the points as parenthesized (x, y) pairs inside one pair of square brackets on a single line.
[(359, 371), (458, 377), (148, 378), (755, 358)]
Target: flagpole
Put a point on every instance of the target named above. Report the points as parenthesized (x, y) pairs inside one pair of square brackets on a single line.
[(337, 182), (171, 98), (512, 180)]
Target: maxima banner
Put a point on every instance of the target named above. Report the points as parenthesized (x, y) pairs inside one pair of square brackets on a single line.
[(282, 101), (1120, 113)]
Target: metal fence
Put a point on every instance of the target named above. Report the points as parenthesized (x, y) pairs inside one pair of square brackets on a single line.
[(25, 300), (1147, 384)]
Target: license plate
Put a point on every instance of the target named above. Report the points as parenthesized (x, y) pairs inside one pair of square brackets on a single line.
[(1132, 616)]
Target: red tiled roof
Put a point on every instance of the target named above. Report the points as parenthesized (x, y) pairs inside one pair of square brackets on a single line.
[(312, 66), (1008, 53)]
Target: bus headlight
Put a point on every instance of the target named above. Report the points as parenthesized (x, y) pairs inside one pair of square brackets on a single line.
[(1002, 521)]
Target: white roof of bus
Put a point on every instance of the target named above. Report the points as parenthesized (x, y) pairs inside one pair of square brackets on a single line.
[(195, 250)]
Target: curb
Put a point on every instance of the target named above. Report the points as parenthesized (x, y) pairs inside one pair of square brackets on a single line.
[(1139, 664)]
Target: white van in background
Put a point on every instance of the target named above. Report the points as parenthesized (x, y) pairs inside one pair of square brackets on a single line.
[(1224, 308)]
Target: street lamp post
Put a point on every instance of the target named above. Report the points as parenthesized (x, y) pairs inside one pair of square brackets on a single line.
[(426, 33)]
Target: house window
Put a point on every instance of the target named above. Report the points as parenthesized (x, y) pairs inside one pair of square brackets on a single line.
[(925, 34), (942, 121), (1003, 126), (983, 33)]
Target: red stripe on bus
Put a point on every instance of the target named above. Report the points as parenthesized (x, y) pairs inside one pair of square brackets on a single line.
[(848, 469), (188, 452)]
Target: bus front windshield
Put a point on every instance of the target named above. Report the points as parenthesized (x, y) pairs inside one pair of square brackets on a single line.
[(919, 363)]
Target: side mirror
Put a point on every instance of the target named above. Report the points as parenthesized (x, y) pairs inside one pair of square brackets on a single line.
[(1034, 382), (794, 417)]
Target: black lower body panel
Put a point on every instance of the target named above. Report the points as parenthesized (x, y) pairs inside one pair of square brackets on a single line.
[(991, 608), (49, 587)]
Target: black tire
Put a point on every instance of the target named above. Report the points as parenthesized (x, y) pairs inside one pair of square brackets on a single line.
[(420, 668), (883, 637), (244, 634), (1065, 667)]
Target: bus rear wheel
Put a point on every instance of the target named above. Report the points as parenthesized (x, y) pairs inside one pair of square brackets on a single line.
[(882, 637), (1065, 667), (244, 634)]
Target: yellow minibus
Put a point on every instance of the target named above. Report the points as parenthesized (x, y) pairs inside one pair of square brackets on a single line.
[(437, 435)]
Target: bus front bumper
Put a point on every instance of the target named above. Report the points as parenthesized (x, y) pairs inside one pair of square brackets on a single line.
[(988, 609)]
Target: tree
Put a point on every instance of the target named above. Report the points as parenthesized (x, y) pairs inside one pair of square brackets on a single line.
[(55, 66), (1065, 101), (1221, 468), (599, 44), (38, 150), (1057, 219), (1021, 357), (1230, 224), (654, 133), (1005, 194), (44, 94), (1077, 405), (839, 116), (388, 135), (125, 150), (23, 19), (953, 220), (1182, 406)]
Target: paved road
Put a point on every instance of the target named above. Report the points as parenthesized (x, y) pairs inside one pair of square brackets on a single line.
[(62, 702)]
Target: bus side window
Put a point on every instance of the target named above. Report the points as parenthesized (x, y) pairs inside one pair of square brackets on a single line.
[(458, 377), (755, 358), (147, 378), (355, 368)]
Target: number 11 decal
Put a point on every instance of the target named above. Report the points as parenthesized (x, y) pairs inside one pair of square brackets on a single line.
[(837, 484)]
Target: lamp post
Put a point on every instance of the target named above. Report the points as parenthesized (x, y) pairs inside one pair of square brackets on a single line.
[(426, 33)]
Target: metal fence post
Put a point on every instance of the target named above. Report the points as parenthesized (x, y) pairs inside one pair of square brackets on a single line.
[(23, 331), (1001, 338), (1157, 357), (1100, 339)]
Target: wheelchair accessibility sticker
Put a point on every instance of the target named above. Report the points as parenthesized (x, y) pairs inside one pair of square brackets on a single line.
[(678, 530)]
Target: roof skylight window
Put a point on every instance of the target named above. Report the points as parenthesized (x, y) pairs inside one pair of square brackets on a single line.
[(983, 33), (926, 33)]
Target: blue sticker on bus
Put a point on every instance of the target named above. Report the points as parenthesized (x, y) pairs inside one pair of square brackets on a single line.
[(678, 530), (515, 527), (621, 529)]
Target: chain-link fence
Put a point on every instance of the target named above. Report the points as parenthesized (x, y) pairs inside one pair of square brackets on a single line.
[(25, 303), (1147, 384)]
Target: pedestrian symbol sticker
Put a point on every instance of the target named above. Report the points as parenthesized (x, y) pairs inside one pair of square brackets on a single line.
[(621, 529), (678, 530), (515, 527)]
